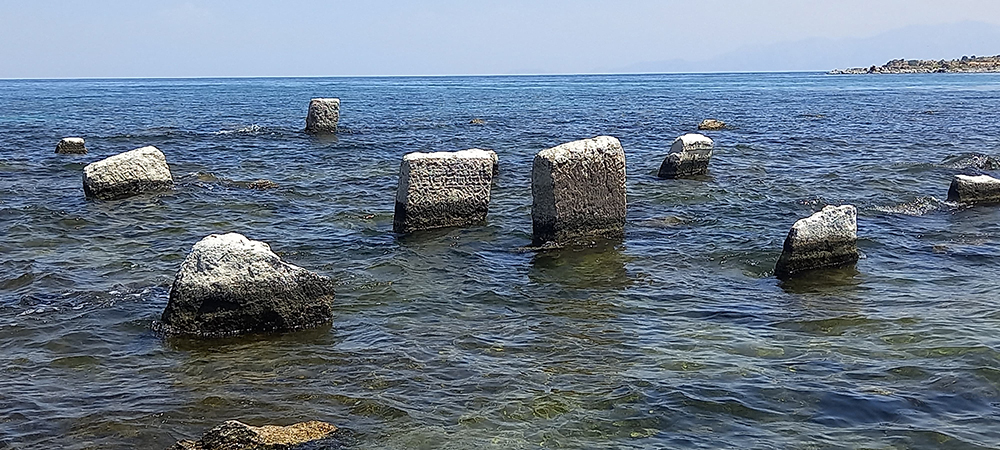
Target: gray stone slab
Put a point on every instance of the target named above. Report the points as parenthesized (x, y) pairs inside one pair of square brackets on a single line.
[(443, 189), (72, 146), (973, 189), (125, 174), (825, 239), (324, 115), (689, 156)]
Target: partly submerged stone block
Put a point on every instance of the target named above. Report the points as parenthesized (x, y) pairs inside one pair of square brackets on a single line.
[(578, 190), (826, 239), (689, 155), (324, 115), (133, 172), (235, 435), (230, 285), (72, 146), (443, 189), (972, 189), (712, 125)]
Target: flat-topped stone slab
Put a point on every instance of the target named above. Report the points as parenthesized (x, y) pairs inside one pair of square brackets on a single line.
[(578, 191), (973, 189), (443, 189), (689, 156), (71, 146), (825, 239), (133, 172), (236, 435), (324, 115), (231, 285)]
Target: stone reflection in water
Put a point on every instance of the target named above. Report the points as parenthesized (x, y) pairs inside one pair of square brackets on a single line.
[(601, 267)]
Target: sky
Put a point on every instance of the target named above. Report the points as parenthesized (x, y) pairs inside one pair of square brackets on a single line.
[(197, 38)]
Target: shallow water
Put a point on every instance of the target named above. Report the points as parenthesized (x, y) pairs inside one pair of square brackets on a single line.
[(676, 337)]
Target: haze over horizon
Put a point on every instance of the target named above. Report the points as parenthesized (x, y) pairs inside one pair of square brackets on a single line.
[(172, 38)]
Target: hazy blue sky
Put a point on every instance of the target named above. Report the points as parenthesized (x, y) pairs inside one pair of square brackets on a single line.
[(48, 38)]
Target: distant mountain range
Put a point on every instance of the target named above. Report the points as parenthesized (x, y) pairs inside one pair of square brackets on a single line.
[(928, 42)]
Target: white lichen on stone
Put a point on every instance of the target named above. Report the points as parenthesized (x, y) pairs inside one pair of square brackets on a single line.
[(689, 155), (133, 172)]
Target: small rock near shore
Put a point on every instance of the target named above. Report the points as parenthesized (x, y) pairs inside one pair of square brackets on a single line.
[(133, 172), (973, 189), (578, 190), (324, 115), (825, 239), (236, 435), (443, 189), (711, 125), (689, 155), (231, 285), (72, 146), (261, 185)]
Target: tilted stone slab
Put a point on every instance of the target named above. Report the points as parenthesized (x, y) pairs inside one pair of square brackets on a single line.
[(689, 155), (236, 435), (71, 146), (443, 189), (231, 285), (133, 172), (826, 239), (578, 190), (972, 189), (324, 114)]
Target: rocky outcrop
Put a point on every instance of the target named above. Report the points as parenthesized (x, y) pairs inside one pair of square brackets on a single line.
[(235, 435), (324, 115), (443, 189), (712, 125), (231, 285), (72, 146), (689, 155), (578, 190), (967, 64), (823, 240), (133, 172), (974, 189)]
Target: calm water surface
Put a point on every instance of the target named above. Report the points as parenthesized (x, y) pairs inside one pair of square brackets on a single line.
[(677, 337)]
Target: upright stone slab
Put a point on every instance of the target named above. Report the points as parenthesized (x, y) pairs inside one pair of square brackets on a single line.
[(324, 114), (826, 239), (972, 189), (689, 155), (72, 146), (231, 285), (133, 172), (578, 190), (236, 435), (443, 189)]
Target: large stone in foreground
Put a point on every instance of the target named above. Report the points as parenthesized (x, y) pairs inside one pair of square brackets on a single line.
[(324, 114), (689, 155), (972, 189), (235, 435), (133, 172), (443, 189), (826, 239), (231, 285), (71, 146), (578, 191)]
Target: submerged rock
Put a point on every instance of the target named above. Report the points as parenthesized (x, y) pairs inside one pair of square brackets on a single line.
[(711, 125), (262, 185), (133, 172), (578, 190), (477, 121), (324, 115), (972, 189), (235, 435), (72, 146), (823, 240), (229, 285), (443, 189), (689, 155)]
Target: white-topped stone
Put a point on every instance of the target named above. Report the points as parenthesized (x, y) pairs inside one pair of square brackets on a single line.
[(133, 172), (825, 239), (443, 189), (972, 189), (689, 155), (71, 145)]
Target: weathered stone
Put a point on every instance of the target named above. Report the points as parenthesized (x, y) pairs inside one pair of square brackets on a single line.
[(689, 155), (826, 239), (133, 172), (578, 190), (324, 114), (262, 185), (711, 125), (443, 189), (235, 435), (71, 145), (477, 121), (969, 189), (231, 285)]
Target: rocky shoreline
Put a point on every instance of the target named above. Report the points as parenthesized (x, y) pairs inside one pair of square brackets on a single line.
[(967, 64)]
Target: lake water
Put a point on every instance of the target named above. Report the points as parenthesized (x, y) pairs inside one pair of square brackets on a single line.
[(676, 337)]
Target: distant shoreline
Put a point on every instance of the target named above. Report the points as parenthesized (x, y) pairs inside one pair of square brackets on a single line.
[(967, 64)]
